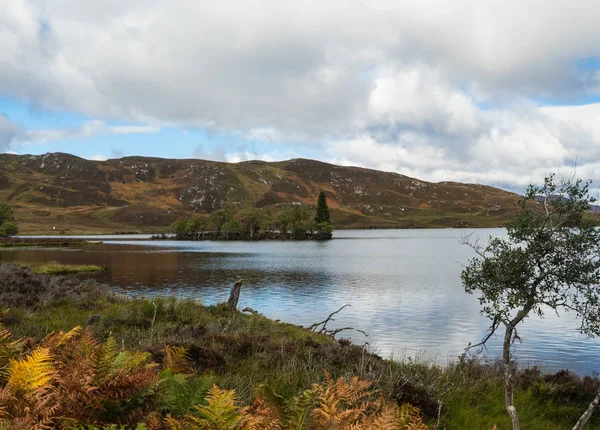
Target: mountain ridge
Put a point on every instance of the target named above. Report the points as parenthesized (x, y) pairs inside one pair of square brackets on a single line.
[(63, 192)]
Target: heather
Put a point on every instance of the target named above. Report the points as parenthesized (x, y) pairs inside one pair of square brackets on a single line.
[(234, 367)]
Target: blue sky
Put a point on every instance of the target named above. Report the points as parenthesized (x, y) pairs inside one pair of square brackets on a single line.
[(166, 142), (494, 93)]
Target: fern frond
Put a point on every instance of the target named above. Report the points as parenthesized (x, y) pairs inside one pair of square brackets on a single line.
[(406, 413), (175, 359), (290, 413), (65, 337), (342, 402), (172, 424), (221, 413), (261, 416), (9, 348), (31, 373), (106, 358), (384, 420)]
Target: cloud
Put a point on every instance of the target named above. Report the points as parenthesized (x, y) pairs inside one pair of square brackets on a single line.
[(13, 135), (86, 130), (9, 133), (217, 154), (435, 89), (299, 68), (423, 126)]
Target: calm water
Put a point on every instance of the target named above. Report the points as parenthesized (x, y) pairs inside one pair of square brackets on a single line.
[(403, 285)]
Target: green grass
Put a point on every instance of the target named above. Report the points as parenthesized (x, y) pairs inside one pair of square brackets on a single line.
[(17, 242), (240, 351), (53, 268)]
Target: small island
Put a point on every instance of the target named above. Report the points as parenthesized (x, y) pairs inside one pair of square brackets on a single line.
[(293, 222)]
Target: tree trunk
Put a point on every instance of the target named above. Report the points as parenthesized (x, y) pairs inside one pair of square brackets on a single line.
[(508, 375), (234, 295), (588, 413)]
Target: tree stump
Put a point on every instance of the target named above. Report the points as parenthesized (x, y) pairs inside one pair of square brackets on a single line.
[(234, 295)]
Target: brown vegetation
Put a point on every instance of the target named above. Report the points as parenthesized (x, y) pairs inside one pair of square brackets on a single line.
[(146, 194)]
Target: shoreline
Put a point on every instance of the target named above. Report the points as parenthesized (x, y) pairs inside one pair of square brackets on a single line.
[(25, 241), (92, 235), (240, 351)]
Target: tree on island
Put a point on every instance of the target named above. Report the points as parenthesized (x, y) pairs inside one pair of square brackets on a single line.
[(294, 221), (548, 261), (322, 218), (322, 209), (8, 226), (250, 220)]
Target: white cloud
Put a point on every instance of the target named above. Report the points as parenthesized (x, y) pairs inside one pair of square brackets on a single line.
[(86, 130), (435, 89), (426, 128), (12, 135), (296, 67)]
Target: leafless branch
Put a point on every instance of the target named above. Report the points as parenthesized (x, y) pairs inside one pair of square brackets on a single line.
[(473, 243), (323, 325), (325, 321), (491, 332), (332, 333), (252, 311)]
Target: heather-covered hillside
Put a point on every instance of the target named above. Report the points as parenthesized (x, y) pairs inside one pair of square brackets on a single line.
[(61, 192)]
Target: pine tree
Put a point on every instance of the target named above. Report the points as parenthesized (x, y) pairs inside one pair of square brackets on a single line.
[(322, 209)]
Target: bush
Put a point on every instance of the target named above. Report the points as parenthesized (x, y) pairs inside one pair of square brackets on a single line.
[(10, 228)]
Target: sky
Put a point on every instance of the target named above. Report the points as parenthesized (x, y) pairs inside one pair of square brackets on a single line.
[(494, 92)]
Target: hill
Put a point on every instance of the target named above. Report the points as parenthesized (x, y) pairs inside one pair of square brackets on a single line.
[(61, 192)]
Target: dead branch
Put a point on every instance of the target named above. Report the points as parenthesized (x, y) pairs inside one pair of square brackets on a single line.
[(491, 332), (332, 333), (325, 321), (473, 242), (252, 311), (323, 325)]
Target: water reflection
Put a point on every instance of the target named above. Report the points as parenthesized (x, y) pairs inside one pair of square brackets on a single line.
[(403, 285)]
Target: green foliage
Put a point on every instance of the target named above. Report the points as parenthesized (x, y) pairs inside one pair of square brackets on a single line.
[(549, 259), (250, 220), (231, 228), (221, 216), (180, 392), (6, 213), (221, 412), (8, 226), (298, 221), (53, 268), (237, 351), (197, 223), (322, 215), (323, 227), (293, 222)]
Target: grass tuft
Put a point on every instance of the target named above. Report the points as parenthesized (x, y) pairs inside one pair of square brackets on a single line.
[(54, 268)]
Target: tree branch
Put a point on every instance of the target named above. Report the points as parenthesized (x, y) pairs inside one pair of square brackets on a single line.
[(492, 331), (326, 320)]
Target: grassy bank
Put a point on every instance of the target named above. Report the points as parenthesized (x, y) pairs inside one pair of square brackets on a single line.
[(15, 242), (242, 352), (53, 268)]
